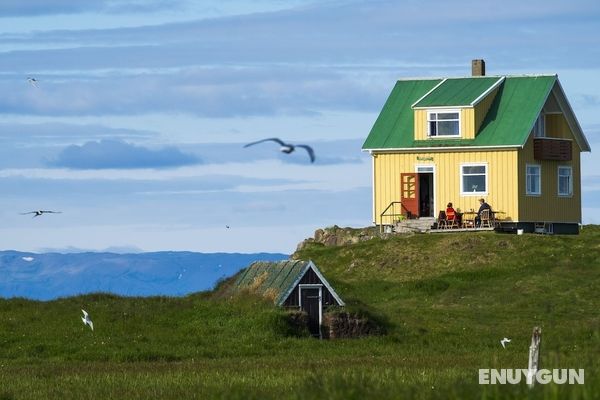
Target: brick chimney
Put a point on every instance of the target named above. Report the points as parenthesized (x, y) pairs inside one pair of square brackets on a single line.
[(478, 68)]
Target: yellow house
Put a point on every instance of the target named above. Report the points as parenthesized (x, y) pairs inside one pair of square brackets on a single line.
[(512, 140)]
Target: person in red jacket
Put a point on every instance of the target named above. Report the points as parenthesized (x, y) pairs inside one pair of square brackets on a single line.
[(451, 214)]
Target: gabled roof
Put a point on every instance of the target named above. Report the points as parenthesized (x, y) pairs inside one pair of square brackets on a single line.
[(277, 280), (508, 122)]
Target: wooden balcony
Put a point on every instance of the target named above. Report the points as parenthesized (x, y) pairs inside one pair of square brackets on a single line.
[(552, 149)]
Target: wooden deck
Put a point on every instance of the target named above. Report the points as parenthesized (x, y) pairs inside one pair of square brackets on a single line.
[(452, 230)]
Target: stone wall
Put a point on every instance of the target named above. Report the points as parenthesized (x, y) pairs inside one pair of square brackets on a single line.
[(342, 325)]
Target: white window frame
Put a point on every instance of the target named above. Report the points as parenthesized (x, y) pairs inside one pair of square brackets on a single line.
[(539, 167), (539, 128), (472, 193), (570, 169), (443, 111)]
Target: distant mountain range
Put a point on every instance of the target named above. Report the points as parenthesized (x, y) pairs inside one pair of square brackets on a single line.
[(51, 275)]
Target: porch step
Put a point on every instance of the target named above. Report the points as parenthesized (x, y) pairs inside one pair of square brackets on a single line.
[(421, 225)]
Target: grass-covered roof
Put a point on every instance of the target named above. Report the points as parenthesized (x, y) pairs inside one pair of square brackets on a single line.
[(272, 279), (276, 280)]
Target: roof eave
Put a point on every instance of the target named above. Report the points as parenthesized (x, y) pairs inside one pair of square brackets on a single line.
[(488, 91), (418, 149), (327, 285), (570, 116), (442, 107)]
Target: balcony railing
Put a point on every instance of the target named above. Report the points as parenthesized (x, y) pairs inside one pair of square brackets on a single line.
[(552, 149)]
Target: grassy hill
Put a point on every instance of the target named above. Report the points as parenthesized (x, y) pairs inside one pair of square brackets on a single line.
[(445, 300)]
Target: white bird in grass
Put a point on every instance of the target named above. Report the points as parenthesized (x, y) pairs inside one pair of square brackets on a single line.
[(287, 148), (504, 341), (40, 212), (87, 320)]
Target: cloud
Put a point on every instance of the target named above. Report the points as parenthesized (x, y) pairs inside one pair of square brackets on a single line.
[(120, 249), (173, 222), (28, 145), (52, 7), (338, 33), (111, 154), (210, 92), (590, 183), (206, 8), (331, 21), (346, 58), (29, 134), (589, 100), (347, 151)]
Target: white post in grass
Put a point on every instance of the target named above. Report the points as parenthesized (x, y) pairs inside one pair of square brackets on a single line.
[(534, 356)]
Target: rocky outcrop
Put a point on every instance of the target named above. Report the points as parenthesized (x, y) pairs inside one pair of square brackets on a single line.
[(336, 236)]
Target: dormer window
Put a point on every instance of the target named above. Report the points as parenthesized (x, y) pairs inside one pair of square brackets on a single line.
[(443, 123)]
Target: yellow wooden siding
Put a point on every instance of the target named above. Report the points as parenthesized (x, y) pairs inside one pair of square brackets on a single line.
[(502, 185), (557, 127), (467, 123), (549, 206), (482, 108), (467, 127), (420, 117)]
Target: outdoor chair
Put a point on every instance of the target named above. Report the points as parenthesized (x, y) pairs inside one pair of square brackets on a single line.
[(486, 219), (451, 221), (441, 220)]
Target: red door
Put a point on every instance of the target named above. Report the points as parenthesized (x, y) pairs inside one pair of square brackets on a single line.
[(409, 194)]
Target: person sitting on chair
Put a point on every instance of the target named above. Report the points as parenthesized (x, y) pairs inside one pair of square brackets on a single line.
[(451, 214), (483, 206)]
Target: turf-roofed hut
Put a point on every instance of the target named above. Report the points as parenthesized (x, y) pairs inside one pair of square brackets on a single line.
[(512, 140), (293, 284)]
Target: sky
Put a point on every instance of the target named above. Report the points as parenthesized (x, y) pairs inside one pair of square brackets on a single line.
[(135, 125)]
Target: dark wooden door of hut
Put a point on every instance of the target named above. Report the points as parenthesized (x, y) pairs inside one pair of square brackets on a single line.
[(311, 303)]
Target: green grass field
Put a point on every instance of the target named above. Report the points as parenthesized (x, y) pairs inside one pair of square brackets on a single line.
[(445, 302)]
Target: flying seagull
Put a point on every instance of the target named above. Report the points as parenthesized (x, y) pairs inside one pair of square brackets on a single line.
[(287, 148), (504, 341), (33, 81), (40, 212), (87, 320)]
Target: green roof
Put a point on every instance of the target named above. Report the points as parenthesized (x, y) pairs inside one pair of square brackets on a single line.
[(507, 123), (396, 120), (276, 280), (457, 92)]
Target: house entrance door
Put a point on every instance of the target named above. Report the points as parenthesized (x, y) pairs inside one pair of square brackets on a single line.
[(426, 195), (409, 193)]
